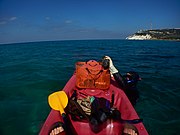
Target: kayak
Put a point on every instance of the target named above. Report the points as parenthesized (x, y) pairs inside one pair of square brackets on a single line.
[(111, 127)]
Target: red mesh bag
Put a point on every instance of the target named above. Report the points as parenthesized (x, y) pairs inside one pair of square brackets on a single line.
[(92, 75)]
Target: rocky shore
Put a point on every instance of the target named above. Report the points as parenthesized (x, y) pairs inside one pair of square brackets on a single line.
[(156, 34)]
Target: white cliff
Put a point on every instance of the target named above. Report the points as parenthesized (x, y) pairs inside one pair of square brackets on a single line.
[(156, 34), (139, 37)]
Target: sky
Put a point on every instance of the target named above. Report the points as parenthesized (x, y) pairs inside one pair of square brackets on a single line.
[(49, 20)]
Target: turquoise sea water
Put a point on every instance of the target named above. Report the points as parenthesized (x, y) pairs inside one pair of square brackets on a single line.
[(29, 72)]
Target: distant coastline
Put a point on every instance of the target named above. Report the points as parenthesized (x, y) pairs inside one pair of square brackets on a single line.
[(156, 34)]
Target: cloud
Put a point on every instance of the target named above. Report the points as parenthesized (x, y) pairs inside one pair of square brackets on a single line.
[(3, 22), (7, 20), (13, 18), (68, 21), (47, 18)]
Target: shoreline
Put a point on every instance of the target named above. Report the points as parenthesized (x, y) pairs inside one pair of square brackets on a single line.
[(157, 34)]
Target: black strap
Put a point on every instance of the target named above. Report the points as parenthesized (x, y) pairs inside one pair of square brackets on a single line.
[(112, 99)]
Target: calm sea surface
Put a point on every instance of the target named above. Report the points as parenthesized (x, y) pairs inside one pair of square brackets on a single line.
[(29, 72)]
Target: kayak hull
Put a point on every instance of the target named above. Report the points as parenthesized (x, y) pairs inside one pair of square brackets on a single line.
[(110, 127)]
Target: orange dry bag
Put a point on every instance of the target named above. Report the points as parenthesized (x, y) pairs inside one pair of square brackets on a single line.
[(92, 75)]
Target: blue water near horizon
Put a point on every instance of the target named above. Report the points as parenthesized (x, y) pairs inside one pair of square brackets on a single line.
[(29, 72)]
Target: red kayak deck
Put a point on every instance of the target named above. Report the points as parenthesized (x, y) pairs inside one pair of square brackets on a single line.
[(121, 102)]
